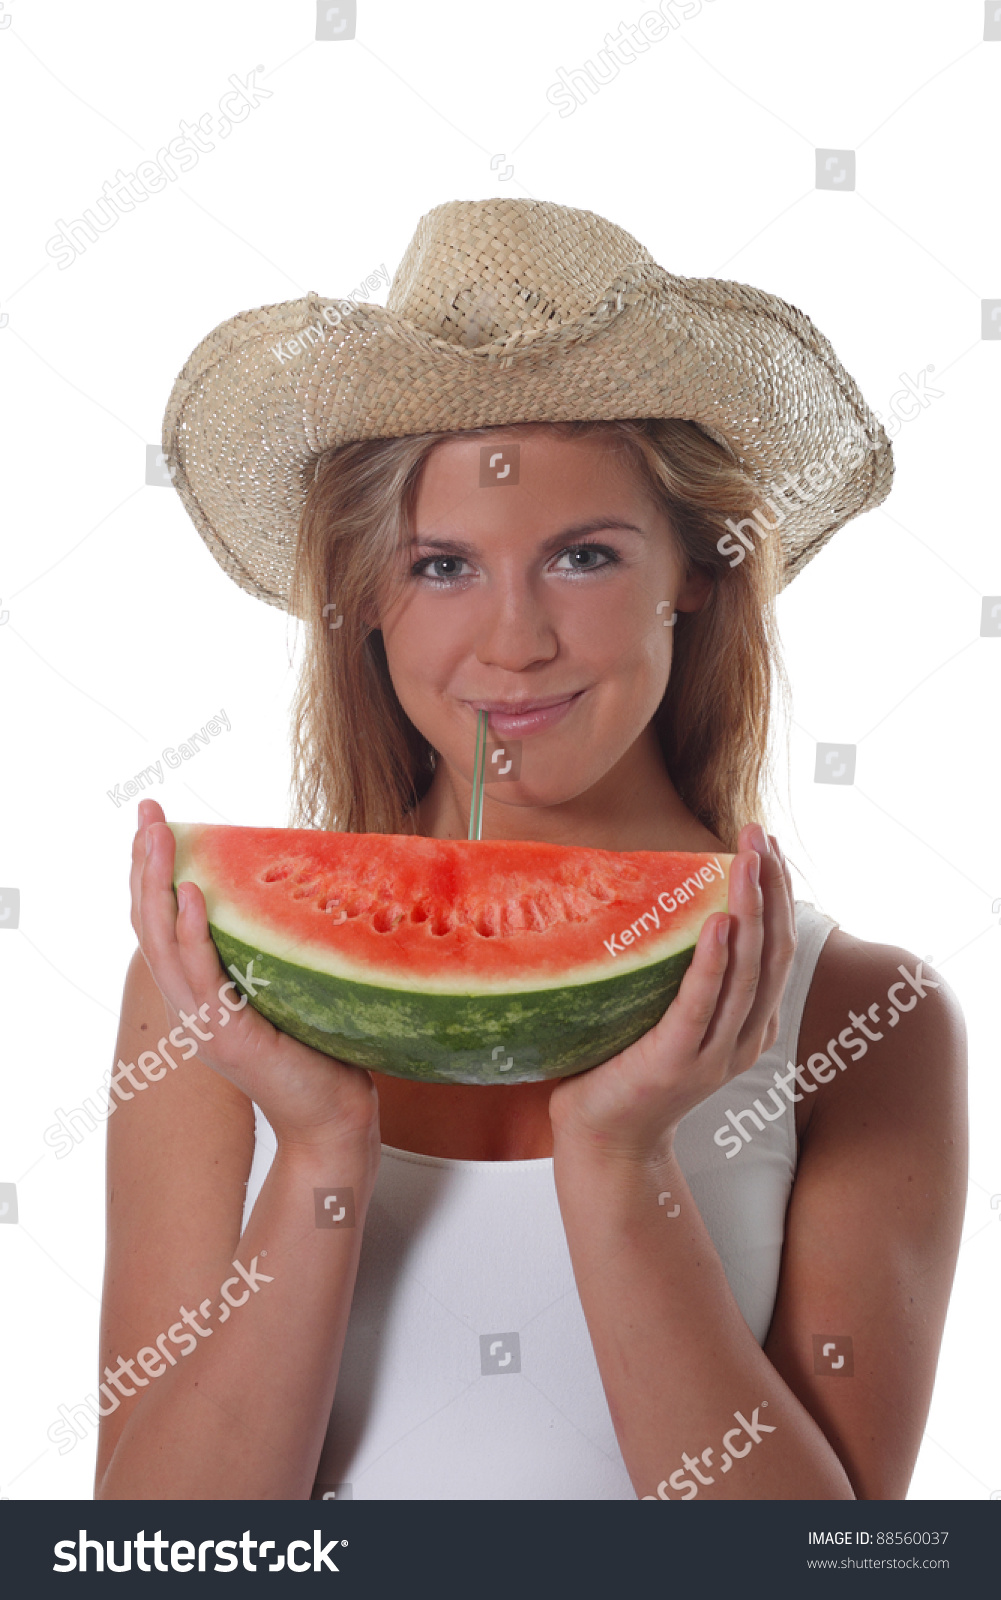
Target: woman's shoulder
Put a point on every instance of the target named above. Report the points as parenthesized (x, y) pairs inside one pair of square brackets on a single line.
[(883, 1028)]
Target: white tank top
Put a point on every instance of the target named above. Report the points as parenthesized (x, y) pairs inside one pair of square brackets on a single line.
[(468, 1372)]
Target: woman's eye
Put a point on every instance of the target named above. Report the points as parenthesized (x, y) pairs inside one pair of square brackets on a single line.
[(584, 558), (441, 568)]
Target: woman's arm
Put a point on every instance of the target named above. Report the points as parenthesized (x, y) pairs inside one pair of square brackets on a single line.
[(219, 1355), (869, 1253), (875, 1219), (241, 1413), (692, 1395)]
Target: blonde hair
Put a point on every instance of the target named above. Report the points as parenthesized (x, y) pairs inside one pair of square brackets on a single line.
[(359, 764)]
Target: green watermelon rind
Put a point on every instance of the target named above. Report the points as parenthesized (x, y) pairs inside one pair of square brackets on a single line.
[(457, 1038)]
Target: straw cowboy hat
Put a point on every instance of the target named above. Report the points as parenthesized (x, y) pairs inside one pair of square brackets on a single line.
[(506, 311)]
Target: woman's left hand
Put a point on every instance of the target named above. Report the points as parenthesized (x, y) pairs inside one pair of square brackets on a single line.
[(724, 1016)]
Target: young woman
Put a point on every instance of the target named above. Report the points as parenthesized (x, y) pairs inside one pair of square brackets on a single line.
[(716, 1265)]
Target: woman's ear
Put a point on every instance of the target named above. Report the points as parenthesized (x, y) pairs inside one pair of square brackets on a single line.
[(694, 592)]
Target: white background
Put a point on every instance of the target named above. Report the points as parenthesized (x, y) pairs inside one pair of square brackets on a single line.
[(123, 636)]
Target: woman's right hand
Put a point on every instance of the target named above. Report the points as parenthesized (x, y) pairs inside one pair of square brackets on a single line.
[(307, 1097)]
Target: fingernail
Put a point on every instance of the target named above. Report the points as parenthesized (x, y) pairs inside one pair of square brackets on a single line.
[(754, 870), (759, 839), (149, 841), (722, 929)]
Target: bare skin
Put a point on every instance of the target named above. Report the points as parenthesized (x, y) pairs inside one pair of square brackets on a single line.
[(511, 617)]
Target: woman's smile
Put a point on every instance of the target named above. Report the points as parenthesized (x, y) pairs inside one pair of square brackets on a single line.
[(517, 718)]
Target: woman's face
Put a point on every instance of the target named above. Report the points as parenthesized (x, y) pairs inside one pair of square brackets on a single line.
[(540, 587)]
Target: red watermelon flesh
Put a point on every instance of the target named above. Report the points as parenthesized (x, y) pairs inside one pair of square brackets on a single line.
[(451, 960)]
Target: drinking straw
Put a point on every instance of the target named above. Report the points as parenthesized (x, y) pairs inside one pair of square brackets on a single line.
[(479, 773), (483, 773)]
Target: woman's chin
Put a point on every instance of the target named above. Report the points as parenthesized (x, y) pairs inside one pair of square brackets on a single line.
[(523, 796)]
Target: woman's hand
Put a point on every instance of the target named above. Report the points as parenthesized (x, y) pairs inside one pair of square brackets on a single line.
[(724, 1016), (306, 1096)]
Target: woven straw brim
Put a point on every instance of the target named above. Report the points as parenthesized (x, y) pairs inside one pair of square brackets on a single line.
[(245, 425)]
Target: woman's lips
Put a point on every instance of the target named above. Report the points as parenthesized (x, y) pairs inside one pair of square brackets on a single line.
[(536, 715)]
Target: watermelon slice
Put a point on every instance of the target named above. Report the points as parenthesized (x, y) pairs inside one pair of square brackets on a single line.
[(451, 961)]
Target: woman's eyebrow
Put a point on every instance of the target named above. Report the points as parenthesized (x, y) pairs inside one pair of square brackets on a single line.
[(454, 547), (579, 530)]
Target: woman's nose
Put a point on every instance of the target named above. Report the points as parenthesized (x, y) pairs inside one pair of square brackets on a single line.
[(514, 632)]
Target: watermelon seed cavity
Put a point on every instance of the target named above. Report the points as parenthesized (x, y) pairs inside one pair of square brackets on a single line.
[(566, 897)]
